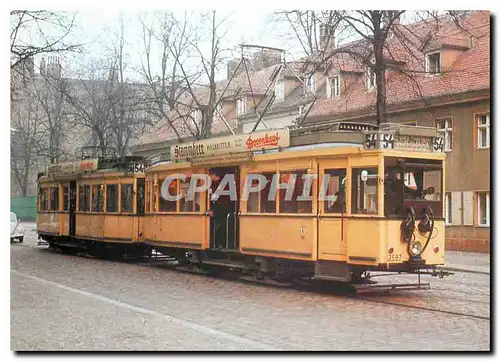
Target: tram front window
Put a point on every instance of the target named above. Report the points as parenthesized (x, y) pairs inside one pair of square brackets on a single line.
[(412, 183)]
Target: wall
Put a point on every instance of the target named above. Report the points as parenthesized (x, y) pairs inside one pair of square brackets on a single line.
[(24, 207)]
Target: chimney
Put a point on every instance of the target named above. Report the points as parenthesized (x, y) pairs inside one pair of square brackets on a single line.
[(326, 37), (54, 67), (42, 66)]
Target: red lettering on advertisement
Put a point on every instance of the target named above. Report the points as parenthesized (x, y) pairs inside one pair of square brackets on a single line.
[(264, 141)]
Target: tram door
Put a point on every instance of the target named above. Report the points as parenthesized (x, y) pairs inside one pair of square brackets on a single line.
[(224, 218), (72, 208)]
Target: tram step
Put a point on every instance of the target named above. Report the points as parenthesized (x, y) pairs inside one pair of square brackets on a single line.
[(225, 263)]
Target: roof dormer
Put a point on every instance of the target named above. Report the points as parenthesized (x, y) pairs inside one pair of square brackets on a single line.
[(442, 51)]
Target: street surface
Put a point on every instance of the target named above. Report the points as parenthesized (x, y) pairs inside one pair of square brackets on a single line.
[(61, 302)]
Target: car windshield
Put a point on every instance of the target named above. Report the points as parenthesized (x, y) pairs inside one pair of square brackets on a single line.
[(13, 217)]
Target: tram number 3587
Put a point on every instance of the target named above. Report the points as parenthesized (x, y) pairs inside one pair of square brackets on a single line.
[(395, 257)]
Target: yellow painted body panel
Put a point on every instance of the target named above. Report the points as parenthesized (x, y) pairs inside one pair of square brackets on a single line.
[(180, 229), (332, 246), (280, 236), (49, 222)]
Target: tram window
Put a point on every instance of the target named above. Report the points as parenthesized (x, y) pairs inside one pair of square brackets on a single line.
[(267, 205), (333, 180), (364, 196), (54, 199), (166, 205), (84, 198), (97, 198), (148, 196), (65, 198), (253, 199), (126, 196), (185, 205), (44, 199), (111, 197), (294, 205)]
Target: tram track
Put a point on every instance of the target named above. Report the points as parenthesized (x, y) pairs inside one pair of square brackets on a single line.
[(322, 288)]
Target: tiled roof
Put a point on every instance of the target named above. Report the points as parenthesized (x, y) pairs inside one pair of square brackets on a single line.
[(469, 72)]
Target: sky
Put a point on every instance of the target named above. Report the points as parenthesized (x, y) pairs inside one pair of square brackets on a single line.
[(96, 28)]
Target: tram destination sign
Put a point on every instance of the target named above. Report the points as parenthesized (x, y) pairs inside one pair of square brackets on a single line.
[(222, 146), (404, 142)]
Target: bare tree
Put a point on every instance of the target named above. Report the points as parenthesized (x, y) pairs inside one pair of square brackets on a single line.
[(186, 86), (128, 117), (35, 32), (375, 38), (26, 137), (50, 92), (89, 98)]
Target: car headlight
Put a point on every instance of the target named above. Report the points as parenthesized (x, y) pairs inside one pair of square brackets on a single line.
[(416, 248)]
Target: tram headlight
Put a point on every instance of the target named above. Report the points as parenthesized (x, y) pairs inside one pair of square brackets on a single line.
[(416, 248)]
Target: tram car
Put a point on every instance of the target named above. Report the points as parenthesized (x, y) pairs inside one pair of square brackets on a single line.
[(364, 199), (94, 204)]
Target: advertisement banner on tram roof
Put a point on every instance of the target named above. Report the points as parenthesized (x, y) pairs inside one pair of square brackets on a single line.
[(231, 144)]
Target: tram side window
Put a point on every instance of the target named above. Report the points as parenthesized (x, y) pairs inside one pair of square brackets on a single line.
[(65, 198), (185, 205), (43, 193), (293, 205), (364, 194), (126, 195), (54, 199), (148, 196), (84, 198), (97, 198), (111, 197), (332, 182), (166, 205), (253, 199), (267, 205)]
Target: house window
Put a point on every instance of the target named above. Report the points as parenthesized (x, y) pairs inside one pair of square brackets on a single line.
[(468, 209), (218, 111), (310, 83), (433, 63), (483, 208), (301, 110), (197, 116), (333, 87), (371, 79), (448, 208), (241, 106), (483, 131), (445, 128), (279, 90), (456, 208)]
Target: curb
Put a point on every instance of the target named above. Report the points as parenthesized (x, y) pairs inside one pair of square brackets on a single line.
[(465, 270)]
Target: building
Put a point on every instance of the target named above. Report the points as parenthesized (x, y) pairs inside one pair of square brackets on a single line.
[(438, 76), (449, 88)]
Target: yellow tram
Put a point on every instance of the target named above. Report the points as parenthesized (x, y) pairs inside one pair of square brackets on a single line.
[(363, 199), (94, 204)]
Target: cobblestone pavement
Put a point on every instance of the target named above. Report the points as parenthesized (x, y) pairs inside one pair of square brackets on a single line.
[(61, 302)]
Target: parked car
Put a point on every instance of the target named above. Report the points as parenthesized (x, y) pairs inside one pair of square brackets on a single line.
[(16, 230)]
